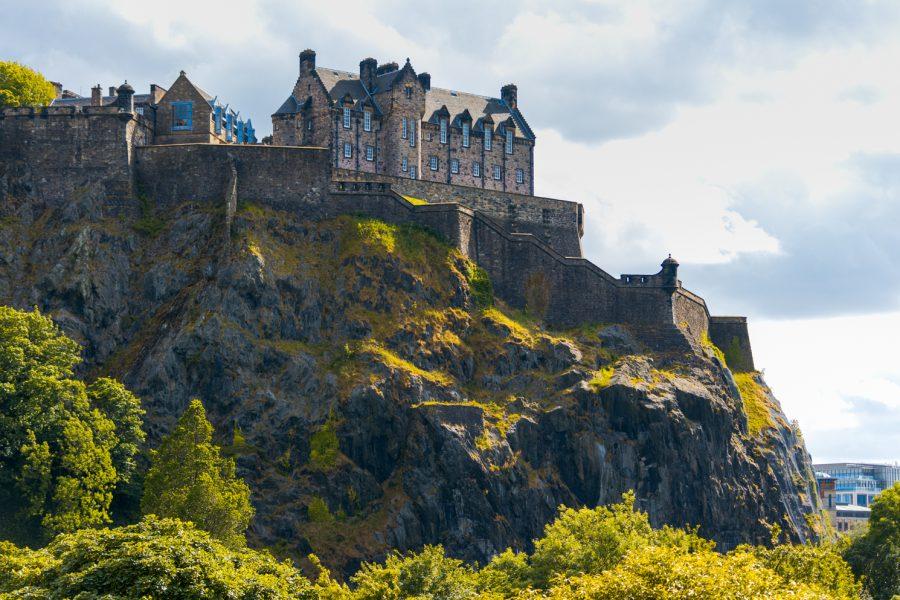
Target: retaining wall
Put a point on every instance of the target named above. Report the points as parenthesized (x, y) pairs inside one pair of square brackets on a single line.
[(731, 336)]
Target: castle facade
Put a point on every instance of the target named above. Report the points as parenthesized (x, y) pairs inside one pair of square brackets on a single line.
[(389, 120)]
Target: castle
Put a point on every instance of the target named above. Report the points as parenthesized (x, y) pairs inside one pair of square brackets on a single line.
[(182, 145)]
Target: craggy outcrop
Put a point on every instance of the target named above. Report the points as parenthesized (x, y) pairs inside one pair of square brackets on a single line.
[(370, 399)]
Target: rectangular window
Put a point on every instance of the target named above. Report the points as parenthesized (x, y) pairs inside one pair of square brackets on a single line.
[(465, 132), (413, 133), (488, 137), (404, 164), (229, 127), (182, 116), (367, 120), (348, 150), (443, 131), (497, 172), (433, 163), (509, 141), (404, 131), (309, 125), (409, 91), (370, 153), (412, 173), (346, 118), (217, 119), (520, 176), (454, 165), (476, 169)]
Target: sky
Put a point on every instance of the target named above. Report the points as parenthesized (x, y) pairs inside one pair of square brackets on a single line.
[(758, 141)]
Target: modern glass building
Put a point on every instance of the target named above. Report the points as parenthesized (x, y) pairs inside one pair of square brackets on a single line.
[(857, 484)]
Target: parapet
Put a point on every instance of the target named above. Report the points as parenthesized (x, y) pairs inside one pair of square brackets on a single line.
[(731, 336)]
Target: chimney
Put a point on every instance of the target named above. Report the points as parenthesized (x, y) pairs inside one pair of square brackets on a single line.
[(97, 95), (307, 61), (57, 86), (367, 68), (112, 90), (509, 93), (125, 98), (156, 93), (425, 80), (387, 68)]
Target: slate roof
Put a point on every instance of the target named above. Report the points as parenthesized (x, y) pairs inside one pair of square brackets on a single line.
[(106, 100)]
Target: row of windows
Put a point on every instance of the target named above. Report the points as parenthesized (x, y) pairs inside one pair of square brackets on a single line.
[(367, 119), (348, 151), (434, 165)]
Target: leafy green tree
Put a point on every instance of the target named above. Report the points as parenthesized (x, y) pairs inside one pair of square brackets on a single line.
[(157, 558), (58, 440), (190, 480), (875, 555), (22, 86), (426, 574)]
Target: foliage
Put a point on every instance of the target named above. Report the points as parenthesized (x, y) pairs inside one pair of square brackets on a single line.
[(64, 446), (811, 564), (22, 86), (480, 285), (323, 447), (602, 378), (875, 555), (755, 401), (189, 480), (149, 223), (157, 558), (392, 361), (318, 512), (709, 345), (427, 574)]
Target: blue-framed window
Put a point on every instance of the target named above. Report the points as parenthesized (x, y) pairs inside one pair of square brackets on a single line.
[(229, 127), (465, 135), (240, 132), (182, 116), (217, 119)]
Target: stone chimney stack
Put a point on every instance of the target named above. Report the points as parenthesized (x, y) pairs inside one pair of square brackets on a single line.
[(97, 95), (367, 69), (156, 93), (112, 90), (509, 93), (307, 61), (125, 98), (425, 80)]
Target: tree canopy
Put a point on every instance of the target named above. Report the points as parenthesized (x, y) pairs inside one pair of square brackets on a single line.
[(22, 86), (875, 555), (64, 446), (190, 480)]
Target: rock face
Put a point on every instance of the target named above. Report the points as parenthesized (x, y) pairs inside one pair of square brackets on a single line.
[(371, 405)]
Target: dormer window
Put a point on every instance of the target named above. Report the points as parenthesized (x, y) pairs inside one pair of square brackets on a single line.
[(346, 118), (443, 131), (465, 134), (488, 137), (367, 120), (509, 141)]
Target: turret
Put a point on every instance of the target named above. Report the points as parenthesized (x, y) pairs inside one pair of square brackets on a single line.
[(425, 80), (509, 93), (125, 98), (669, 272), (367, 68), (307, 61)]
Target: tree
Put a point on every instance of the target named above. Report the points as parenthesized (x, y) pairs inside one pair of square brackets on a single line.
[(875, 555), (426, 574), (190, 480), (59, 439), (22, 86)]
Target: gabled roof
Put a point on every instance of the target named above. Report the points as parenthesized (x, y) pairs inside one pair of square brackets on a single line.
[(478, 107), (289, 107)]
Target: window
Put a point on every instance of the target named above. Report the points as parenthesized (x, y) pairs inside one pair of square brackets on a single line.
[(509, 141), (404, 164), (433, 163), (465, 128), (412, 134), (348, 150), (476, 169), (182, 116), (370, 153), (454, 165), (408, 91), (217, 119), (309, 125), (443, 131), (367, 120), (520, 176), (346, 118), (488, 137), (404, 128), (412, 172), (229, 127), (139, 110), (497, 173)]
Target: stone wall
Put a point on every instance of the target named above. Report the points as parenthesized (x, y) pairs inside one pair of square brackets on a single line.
[(288, 178), (731, 336), (58, 154), (557, 223)]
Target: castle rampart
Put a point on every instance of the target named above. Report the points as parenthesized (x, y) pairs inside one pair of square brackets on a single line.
[(731, 335)]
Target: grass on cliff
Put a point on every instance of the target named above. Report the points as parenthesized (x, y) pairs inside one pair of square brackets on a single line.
[(756, 403), (392, 361)]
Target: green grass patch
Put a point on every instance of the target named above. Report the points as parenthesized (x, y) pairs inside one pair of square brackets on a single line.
[(708, 344), (317, 511), (414, 200), (602, 378), (480, 285), (392, 361), (324, 447), (756, 403), (517, 329)]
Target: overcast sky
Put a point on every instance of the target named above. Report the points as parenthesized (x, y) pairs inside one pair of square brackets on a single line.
[(758, 141)]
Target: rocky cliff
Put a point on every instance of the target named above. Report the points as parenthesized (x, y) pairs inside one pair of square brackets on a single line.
[(374, 399)]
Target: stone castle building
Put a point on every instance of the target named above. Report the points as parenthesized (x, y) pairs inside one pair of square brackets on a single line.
[(390, 120)]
